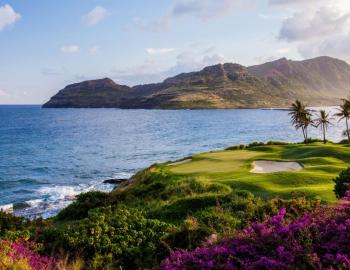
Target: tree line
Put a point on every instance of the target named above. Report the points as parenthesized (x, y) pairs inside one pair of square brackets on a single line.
[(302, 118)]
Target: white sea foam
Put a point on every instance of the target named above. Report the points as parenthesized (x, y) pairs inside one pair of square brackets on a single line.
[(34, 203), (8, 208), (54, 198)]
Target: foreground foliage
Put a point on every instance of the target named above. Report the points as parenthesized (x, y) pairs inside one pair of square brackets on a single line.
[(318, 240), (109, 238), (205, 200), (342, 183), (24, 256)]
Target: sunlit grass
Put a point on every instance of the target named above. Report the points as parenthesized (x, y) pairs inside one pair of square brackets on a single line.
[(232, 167)]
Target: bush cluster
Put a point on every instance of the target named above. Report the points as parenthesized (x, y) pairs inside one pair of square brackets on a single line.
[(109, 238), (159, 213), (342, 183), (24, 256), (318, 240)]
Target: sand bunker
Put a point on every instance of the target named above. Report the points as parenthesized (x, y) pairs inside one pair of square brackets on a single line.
[(269, 166)]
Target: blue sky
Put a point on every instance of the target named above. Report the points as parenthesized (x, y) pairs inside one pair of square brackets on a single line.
[(45, 45)]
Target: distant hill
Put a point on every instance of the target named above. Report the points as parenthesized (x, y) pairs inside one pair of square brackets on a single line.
[(319, 81)]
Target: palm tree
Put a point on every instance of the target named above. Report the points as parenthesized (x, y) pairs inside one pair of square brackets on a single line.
[(344, 113), (323, 121), (306, 122), (301, 117)]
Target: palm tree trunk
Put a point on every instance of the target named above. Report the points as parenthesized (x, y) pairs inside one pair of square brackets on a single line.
[(347, 129), (324, 133), (302, 128), (306, 135)]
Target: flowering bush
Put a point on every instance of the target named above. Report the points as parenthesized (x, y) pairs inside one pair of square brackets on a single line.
[(23, 256), (318, 240)]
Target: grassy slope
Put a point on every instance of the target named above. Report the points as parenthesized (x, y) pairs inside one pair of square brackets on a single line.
[(232, 167)]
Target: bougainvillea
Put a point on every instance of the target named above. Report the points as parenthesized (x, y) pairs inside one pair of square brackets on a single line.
[(24, 256), (318, 240)]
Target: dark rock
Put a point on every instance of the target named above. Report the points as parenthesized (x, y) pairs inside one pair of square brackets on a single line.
[(114, 181)]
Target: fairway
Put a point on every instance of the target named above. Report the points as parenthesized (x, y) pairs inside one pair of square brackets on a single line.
[(321, 163)]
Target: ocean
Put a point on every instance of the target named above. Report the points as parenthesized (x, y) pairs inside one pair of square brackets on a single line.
[(48, 156)]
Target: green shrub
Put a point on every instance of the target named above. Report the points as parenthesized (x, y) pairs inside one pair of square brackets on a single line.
[(236, 147), (342, 183), (110, 238), (85, 201), (218, 220), (191, 186), (176, 211), (255, 144), (10, 224), (311, 140), (276, 143), (188, 235)]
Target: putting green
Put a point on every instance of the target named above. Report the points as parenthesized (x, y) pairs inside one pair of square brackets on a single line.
[(232, 167)]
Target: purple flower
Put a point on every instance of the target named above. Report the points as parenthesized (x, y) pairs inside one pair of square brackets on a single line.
[(318, 240)]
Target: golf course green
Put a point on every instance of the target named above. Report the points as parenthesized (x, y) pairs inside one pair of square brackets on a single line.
[(320, 162)]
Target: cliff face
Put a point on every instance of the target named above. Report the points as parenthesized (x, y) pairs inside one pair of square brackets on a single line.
[(318, 81), (103, 93)]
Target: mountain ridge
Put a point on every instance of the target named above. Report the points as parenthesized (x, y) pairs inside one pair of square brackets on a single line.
[(319, 81)]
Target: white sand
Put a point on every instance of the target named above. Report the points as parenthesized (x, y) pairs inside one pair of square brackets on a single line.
[(180, 162), (269, 166)]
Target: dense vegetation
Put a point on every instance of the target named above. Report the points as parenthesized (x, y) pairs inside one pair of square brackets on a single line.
[(181, 205), (207, 211), (318, 240)]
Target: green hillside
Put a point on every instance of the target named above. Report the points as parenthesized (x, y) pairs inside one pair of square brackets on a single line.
[(183, 204)]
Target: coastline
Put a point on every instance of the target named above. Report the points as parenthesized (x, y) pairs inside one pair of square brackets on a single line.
[(118, 183)]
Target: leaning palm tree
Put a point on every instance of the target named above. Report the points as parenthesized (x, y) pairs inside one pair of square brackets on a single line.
[(344, 113), (323, 121), (301, 117)]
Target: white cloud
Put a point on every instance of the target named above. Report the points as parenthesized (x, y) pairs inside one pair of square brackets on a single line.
[(316, 27), (3, 93), (8, 16), (188, 60), (313, 4), (336, 46), (157, 24), (204, 9), (95, 16), (93, 50), (293, 2), (283, 50), (305, 25), (70, 49), (149, 71), (201, 9), (216, 58), (6, 98), (159, 50)]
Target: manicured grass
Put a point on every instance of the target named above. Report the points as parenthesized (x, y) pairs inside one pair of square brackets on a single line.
[(232, 167)]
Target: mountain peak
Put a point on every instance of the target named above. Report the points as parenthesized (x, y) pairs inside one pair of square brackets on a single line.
[(319, 81), (281, 60), (98, 83)]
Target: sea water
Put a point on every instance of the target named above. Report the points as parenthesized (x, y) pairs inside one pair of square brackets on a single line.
[(48, 156)]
